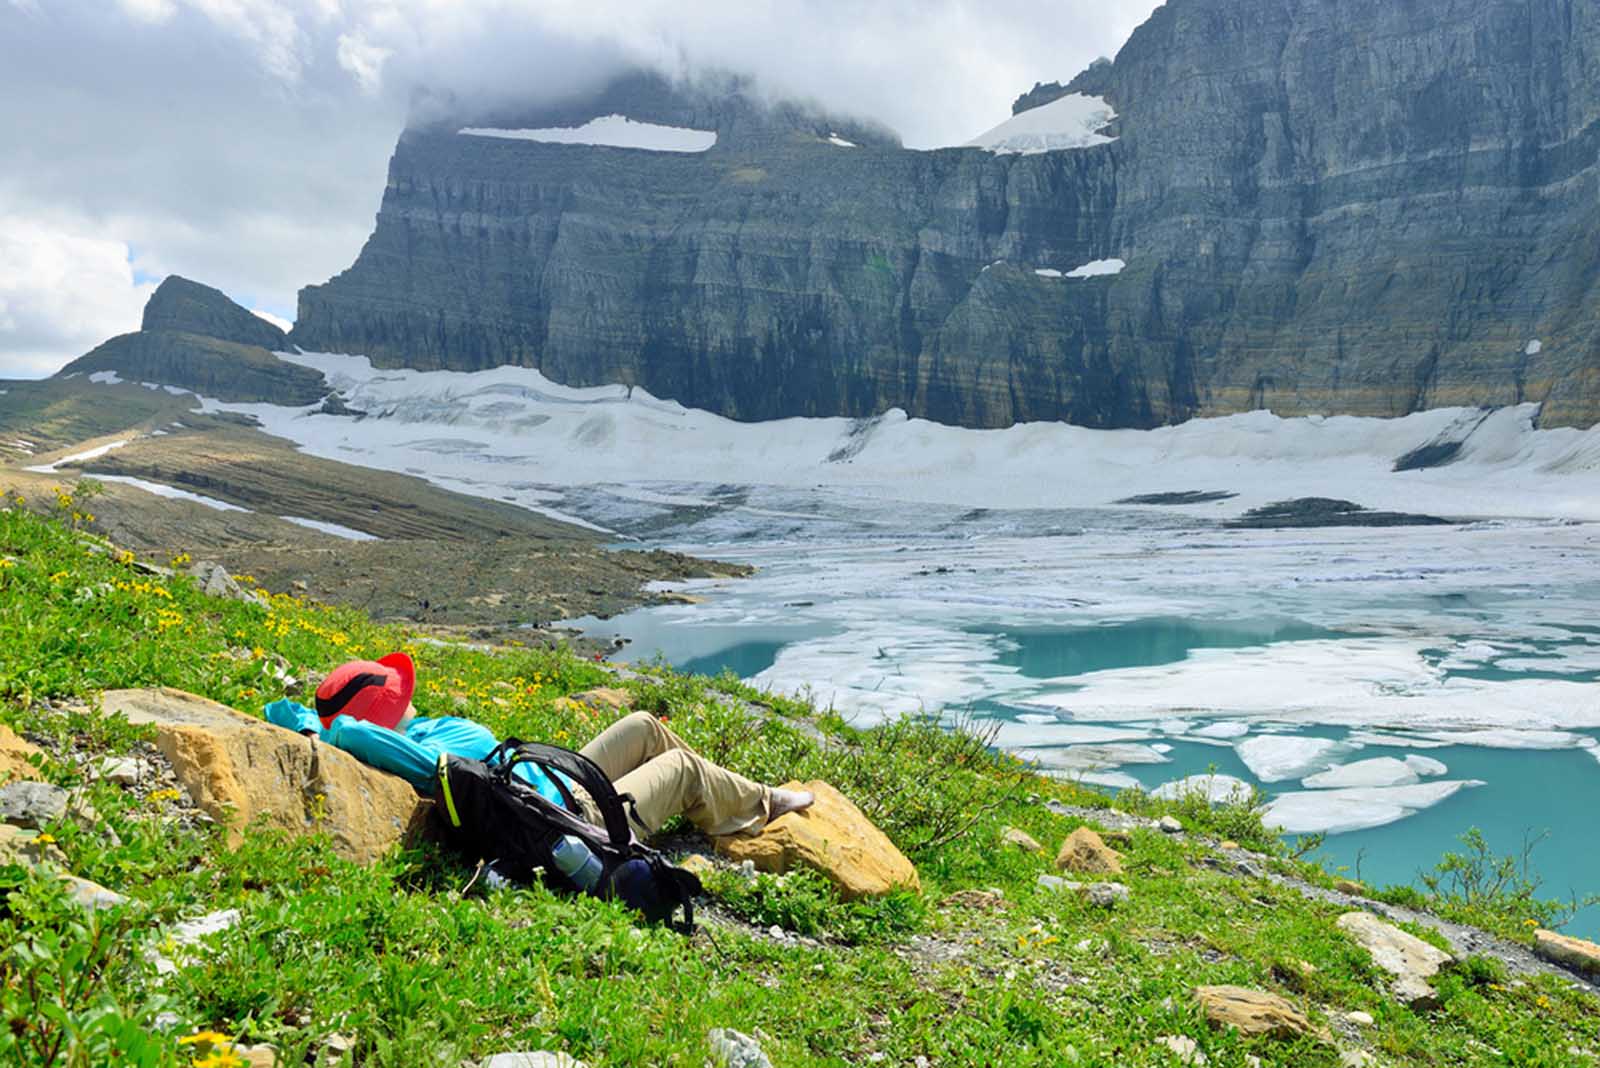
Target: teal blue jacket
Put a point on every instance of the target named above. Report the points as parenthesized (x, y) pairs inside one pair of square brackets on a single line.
[(413, 754)]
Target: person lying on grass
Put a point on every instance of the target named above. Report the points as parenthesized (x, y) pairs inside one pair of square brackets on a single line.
[(364, 707)]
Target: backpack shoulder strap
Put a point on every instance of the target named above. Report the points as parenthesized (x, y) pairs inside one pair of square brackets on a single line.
[(581, 770)]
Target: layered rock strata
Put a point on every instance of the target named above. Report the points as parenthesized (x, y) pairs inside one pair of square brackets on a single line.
[(1324, 207)]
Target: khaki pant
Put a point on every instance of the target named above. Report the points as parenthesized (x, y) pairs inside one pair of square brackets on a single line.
[(642, 757)]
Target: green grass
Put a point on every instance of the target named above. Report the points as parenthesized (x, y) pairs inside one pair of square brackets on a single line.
[(392, 956)]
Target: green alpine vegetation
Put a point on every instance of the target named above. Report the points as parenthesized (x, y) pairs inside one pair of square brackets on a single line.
[(334, 963)]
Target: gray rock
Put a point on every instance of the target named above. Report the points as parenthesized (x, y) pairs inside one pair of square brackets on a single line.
[(32, 804), (539, 1059), (124, 771), (732, 1049), (1020, 839), (1410, 960), (1105, 895), (1170, 825)]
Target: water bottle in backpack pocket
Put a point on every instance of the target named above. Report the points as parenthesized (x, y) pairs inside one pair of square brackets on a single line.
[(577, 862)]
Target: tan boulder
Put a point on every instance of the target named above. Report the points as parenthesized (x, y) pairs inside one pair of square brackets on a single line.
[(14, 754), (1085, 851), (1254, 1013), (1408, 958), (240, 769), (1024, 841), (1567, 951), (604, 698), (832, 837)]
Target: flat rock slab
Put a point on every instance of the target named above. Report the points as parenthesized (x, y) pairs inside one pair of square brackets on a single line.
[(1086, 852), (1408, 958), (1569, 952), (14, 753), (832, 837), (32, 804), (1253, 1013), (240, 769)]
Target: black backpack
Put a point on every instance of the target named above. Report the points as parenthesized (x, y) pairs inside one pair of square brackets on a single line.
[(489, 814)]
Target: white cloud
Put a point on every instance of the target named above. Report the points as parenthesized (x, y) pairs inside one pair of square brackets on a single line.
[(276, 320), (63, 290)]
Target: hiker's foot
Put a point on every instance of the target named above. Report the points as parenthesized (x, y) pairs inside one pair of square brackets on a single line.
[(786, 801)]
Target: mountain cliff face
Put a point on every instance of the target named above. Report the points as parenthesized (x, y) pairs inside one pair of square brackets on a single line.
[(194, 337), (1325, 206)]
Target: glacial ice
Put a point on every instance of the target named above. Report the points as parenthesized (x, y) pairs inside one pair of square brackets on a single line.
[(1072, 121), (171, 492), (1338, 811), (1378, 771), (1098, 269), (1217, 789), (1275, 757), (78, 457), (1425, 766)]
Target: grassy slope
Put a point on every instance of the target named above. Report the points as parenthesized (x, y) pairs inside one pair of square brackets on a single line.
[(392, 956)]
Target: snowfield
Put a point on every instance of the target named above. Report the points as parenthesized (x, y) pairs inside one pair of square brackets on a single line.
[(609, 131), (1073, 121)]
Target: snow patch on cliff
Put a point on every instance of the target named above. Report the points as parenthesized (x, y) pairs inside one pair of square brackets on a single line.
[(608, 131), (1073, 121)]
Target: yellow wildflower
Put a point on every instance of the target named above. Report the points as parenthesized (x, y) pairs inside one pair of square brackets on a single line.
[(7, 564), (220, 1058), (210, 1038), (158, 796), (1543, 1002), (45, 839)]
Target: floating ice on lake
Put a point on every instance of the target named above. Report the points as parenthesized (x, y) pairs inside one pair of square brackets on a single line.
[(1398, 741), (1338, 811), (1275, 757), (1116, 780), (1217, 789), (1161, 747), (1425, 766), (1223, 729), (1379, 771), (1512, 738), (1091, 757)]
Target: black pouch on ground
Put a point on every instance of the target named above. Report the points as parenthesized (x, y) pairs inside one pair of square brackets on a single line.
[(488, 814)]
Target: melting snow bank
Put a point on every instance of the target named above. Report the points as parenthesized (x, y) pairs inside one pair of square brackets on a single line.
[(609, 131), (509, 432), (171, 492), (77, 457), (347, 533), (1072, 121), (1337, 811)]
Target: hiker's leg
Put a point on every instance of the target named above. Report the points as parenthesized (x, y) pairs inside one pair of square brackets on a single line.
[(714, 799), (629, 742)]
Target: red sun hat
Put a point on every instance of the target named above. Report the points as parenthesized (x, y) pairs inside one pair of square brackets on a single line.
[(377, 691)]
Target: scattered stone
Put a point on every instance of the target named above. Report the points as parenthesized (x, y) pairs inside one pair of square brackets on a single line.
[(215, 581), (1408, 958), (731, 1049), (538, 1059), (1105, 895), (91, 894), (1055, 882), (192, 931), (1360, 1019), (1569, 952), (124, 771), (1170, 825), (1351, 887), (22, 846), (1252, 1012), (14, 754), (32, 804), (1084, 851), (1021, 839), (1228, 845), (1186, 1048), (238, 768), (978, 899), (604, 698), (697, 864), (257, 1056), (832, 837), (1356, 1058)]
